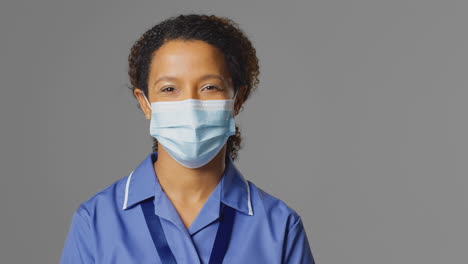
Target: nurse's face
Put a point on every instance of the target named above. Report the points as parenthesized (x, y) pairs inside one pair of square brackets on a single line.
[(183, 70)]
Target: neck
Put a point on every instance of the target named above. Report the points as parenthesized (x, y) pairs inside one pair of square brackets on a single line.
[(185, 185)]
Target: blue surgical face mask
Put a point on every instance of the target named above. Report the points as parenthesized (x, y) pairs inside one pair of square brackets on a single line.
[(192, 131)]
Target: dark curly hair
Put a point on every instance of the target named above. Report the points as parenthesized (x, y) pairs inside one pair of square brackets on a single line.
[(221, 32)]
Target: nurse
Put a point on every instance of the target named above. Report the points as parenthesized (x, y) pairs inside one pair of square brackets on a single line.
[(187, 202)]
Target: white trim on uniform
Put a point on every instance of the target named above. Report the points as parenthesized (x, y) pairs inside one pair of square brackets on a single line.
[(126, 191), (249, 202), (248, 197)]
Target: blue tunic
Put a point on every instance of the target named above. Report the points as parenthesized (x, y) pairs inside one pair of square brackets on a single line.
[(110, 227)]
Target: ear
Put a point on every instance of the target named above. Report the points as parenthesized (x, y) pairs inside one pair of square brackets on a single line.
[(140, 96), (239, 99)]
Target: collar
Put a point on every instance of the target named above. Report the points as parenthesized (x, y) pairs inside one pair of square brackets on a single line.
[(142, 184)]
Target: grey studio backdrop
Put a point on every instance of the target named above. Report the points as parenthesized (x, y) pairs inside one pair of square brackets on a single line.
[(359, 122)]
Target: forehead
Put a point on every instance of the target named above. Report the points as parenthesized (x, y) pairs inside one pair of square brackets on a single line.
[(187, 57)]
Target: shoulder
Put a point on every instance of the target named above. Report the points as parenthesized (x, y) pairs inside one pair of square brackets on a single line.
[(273, 209), (93, 216), (110, 198)]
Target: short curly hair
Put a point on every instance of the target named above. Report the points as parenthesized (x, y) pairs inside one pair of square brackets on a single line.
[(221, 32)]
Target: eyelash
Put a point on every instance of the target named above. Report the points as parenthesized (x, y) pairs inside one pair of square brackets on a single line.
[(164, 89)]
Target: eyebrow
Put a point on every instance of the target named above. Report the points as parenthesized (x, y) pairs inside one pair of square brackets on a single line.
[(204, 77)]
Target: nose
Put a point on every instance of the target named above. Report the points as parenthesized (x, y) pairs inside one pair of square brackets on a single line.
[(191, 92)]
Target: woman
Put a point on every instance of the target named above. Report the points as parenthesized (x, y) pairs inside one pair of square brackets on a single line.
[(186, 202)]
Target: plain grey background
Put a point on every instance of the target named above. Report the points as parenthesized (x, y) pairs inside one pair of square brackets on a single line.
[(359, 122)]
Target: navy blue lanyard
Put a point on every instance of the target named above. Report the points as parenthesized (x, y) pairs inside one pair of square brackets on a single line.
[(223, 235)]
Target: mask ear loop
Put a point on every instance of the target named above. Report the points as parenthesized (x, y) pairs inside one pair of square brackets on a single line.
[(234, 101), (149, 104), (235, 95)]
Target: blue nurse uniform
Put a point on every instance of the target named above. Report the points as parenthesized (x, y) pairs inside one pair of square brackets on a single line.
[(110, 227)]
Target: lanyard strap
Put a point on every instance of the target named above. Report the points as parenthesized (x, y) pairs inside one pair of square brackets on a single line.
[(157, 233), (223, 235)]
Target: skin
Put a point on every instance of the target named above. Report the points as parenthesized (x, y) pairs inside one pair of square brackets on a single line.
[(187, 62)]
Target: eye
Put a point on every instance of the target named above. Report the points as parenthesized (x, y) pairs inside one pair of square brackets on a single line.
[(166, 89), (212, 87)]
